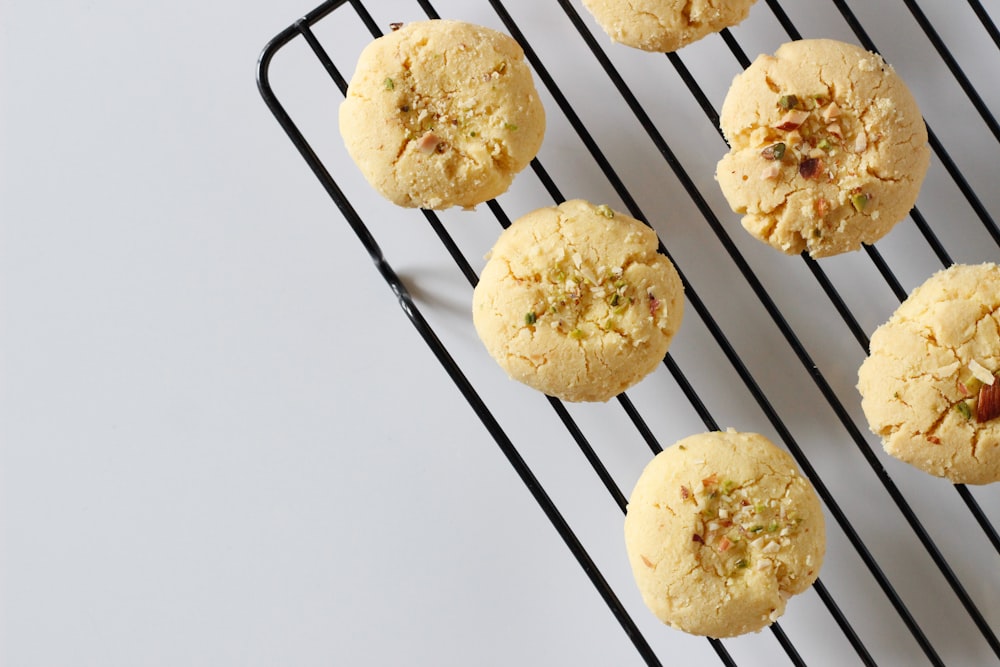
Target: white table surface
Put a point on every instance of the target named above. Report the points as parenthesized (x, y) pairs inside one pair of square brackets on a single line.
[(221, 442)]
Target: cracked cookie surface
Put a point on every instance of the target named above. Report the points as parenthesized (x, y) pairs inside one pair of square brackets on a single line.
[(929, 384), (576, 302), (665, 25), (828, 149), (442, 113), (721, 530)]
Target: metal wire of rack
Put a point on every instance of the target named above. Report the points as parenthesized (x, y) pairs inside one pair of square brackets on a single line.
[(955, 221)]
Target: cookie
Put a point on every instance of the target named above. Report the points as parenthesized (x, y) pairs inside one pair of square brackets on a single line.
[(721, 530), (441, 114), (665, 25), (929, 386), (828, 149), (576, 302)]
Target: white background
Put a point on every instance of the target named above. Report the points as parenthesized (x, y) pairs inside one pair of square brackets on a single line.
[(221, 441)]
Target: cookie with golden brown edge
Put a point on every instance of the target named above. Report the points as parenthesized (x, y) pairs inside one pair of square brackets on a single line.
[(929, 386), (721, 530), (442, 113), (828, 149), (665, 25), (576, 302)]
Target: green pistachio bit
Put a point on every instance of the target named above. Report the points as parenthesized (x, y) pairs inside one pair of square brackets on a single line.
[(742, 563), (756, 529), (576, 333), (389, 85), (824, 144), (615, 298), (473, 133), (510, 126), (859, 202), (788, 101), (530, 318), (772, 527), (774, 151), (604, 210), (964, 408), (728, 486)]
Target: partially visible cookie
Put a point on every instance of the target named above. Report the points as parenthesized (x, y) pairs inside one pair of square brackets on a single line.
[(442, 113), (929, 387), (721, 530), (576, 302), (665, 25), (828, 149)]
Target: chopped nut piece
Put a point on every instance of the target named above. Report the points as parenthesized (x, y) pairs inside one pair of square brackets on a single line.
[(810, 167), (859, 201), (860, 143), (988, 406), (428, 143), (773, 152), (834, 129), (830, 112), (530, 318), (788, 101), (822, 207), (981, 373), (395, 25), (792, 120), (770, 171), (964, 409), (389, 84), (654, 303), (605, 210)]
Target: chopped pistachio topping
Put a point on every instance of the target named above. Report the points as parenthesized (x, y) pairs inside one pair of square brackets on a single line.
[(736, 527), (788, 101), (859, 201), (774, 151), (605, 210), (530, 318), (964, 409), (576, 333), (389, 84), (510, 126)]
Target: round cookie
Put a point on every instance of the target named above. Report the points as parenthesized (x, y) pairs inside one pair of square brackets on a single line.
[(665, 25), (442, 113), (828, 149), (929, 386), (721, 530), (576, 302)]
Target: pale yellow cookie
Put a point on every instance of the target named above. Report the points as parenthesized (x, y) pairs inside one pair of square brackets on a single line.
[(576, 302), (665, 25), (929, 386), (442, 113), (828, 149), (721, 530)]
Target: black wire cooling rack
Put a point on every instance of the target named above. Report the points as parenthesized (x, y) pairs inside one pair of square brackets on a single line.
[(769, 343)]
